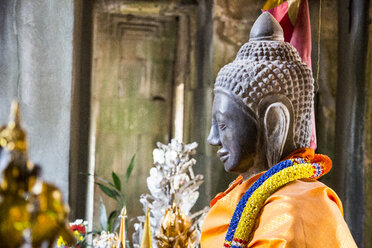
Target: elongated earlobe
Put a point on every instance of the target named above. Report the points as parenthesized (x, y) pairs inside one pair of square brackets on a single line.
[(276, 126), (276, 113)]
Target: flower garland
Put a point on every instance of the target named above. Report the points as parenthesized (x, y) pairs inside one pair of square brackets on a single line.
[(78, 227), (249, 207)]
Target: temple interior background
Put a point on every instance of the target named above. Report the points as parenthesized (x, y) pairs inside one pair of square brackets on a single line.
[(100, 81)]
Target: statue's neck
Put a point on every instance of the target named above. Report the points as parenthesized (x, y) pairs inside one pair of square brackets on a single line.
[(260, 164)]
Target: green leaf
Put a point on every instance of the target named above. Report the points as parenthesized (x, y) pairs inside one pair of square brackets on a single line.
[(130, 168), (117, 181), (116, 225), (113, 215), (86, 174), (103, 215), (122, 201), (111, 193), (98, 178), (103, 180)]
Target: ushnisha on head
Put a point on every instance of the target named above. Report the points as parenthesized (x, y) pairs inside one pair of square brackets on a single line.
[(268, 85)]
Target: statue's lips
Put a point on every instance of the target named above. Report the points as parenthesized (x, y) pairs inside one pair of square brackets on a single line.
[(224, 158), (223, 154)]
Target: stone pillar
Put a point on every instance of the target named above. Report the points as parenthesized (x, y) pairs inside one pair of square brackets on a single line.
[(351, 113), (368, 145), (80, 108)]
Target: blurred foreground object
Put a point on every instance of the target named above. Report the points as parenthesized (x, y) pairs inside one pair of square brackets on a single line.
[(106, 240), (146, 236), (32, 212), (79, 229), (174, 191)]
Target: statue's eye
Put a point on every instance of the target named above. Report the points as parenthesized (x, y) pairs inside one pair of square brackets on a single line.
[(221, 126)]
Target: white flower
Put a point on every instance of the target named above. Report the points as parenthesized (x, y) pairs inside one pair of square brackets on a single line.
[(154, 184), (188, 201), (161, 146), (172, 177), (187, 165), (191, 147), (171, 157), (79, 222), (106, 240), (136, 226), (179, 180), (176, 145), (158, 156)]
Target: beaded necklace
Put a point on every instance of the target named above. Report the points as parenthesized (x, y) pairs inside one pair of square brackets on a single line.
[(249, 206)]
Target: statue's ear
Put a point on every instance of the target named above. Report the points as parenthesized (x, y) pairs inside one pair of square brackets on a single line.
[(276, 115)]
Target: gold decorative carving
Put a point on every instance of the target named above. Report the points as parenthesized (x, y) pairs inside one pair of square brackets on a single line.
[(175, 230), (12, 137), (32, 212)]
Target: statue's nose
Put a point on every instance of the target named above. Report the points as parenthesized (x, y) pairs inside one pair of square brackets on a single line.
[(214, 136)]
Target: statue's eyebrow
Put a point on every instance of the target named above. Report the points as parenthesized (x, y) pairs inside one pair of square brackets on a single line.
[(224, 114)]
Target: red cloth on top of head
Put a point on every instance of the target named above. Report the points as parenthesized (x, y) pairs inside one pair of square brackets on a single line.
[(299, 34)]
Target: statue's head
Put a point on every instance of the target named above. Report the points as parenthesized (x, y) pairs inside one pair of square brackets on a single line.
[(263, 101)]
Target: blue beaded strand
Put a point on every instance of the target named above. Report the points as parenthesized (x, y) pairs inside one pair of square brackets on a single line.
[(241, 205)]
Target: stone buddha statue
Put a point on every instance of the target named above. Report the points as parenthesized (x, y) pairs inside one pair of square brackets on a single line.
[(261, 121), (263, 102)]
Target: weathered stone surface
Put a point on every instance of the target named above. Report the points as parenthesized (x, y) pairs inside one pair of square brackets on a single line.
[(36, 48), (368, 145), (326, 80), (351, 107), (132, 97)]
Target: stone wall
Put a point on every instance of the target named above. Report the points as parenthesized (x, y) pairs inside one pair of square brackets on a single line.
[(36, 67), (132, 92)]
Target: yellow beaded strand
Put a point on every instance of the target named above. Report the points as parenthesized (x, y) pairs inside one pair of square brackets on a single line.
[(260, 195)]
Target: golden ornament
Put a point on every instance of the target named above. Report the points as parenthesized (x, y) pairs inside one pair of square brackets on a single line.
[(146, 236), (31, 211), (176, 230), (122, 236), (12, 136)]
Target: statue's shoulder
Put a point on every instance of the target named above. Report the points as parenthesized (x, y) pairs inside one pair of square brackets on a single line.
[(303, 213), (302, 193)]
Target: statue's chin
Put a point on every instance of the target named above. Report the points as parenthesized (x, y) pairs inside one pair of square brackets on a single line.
[(239, 167), (232, 168)]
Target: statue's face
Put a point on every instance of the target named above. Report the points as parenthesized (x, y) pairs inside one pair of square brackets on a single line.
[(235, 131)]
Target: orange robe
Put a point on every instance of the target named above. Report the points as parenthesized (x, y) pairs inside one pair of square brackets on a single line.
[(304, 213)]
